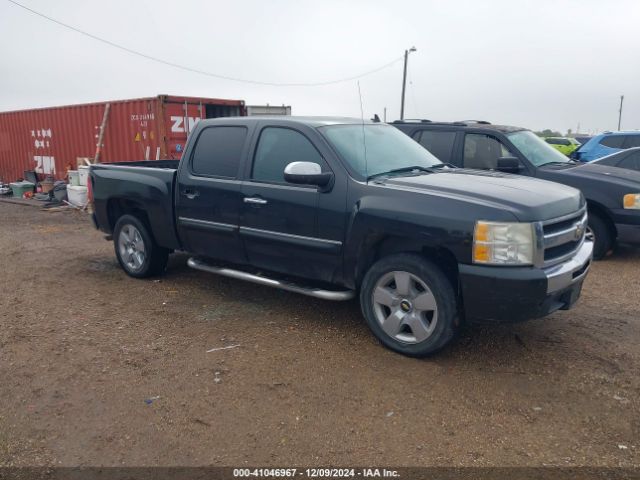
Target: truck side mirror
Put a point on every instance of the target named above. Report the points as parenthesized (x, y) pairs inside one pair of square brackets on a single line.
[(508, 165), (307, 173)]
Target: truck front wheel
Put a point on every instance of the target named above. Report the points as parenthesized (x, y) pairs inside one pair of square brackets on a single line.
[(601, 235), (137, 252), (409, 305)]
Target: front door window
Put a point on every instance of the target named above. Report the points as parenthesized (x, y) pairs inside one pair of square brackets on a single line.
[(277, 148), (482, 152)]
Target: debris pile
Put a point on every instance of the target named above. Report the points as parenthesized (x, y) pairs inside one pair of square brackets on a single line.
[(54, 194)]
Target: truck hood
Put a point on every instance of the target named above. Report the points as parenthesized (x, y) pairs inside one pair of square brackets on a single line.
[(528, 199)]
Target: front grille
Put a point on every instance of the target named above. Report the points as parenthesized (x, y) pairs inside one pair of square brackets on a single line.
[(560, 251), (563, 237)]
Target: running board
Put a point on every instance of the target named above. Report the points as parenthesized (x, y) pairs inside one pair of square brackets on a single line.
[(340, 295)]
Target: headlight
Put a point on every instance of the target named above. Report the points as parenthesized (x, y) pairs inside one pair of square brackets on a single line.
[(632, 201), (497, 243)]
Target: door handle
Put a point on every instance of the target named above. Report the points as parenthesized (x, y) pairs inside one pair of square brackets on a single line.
[(191, 194), (255, 200)]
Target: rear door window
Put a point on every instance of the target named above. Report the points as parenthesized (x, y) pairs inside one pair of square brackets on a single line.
[(218, 151), (613, 141), (482, 151), (440, 144)]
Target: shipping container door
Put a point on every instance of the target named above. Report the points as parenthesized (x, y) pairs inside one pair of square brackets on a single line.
[(215, 111), (132, 132)]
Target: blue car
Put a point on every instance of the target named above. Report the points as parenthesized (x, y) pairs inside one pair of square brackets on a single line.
[(605, 144)]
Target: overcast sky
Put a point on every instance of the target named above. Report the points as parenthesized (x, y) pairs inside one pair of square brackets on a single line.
[(537, 64)]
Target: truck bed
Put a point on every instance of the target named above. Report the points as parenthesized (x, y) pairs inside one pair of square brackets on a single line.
[(147, 186)]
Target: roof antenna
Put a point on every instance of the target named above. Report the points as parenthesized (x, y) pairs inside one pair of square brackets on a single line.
[(364, 141)]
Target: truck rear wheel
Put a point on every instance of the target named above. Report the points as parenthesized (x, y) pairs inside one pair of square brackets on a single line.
[(601, 235), (409, 305), (137, 252)]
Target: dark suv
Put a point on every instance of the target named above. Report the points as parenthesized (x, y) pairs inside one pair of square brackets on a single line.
[(613, 194)]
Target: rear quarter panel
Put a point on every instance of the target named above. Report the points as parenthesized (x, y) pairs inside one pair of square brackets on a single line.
[(146, 190)]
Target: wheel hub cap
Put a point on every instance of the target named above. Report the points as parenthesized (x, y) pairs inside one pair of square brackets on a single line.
[(405, 307), (131, 247)]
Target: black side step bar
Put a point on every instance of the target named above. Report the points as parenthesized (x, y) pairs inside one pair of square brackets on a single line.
[(339, 295)]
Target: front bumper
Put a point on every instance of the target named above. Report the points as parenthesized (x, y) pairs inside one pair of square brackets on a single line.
[(627, 225), (628, 233), (514, 294)]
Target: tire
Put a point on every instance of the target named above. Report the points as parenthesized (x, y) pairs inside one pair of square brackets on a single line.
[(417, 323), (136, 250), (602, 236)]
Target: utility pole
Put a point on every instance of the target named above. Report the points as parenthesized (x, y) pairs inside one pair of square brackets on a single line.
[(404, 80), (619, 111)]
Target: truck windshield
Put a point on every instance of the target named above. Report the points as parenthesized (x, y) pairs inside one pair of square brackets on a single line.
[(535, 149), (386, 147)]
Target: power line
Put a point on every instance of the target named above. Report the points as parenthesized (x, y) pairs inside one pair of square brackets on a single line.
[(195, 70)]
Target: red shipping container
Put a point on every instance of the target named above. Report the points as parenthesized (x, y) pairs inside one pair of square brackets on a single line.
[(50, 140)]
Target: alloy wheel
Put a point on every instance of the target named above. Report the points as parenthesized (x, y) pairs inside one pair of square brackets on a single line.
[(405, 307), (131, 246)]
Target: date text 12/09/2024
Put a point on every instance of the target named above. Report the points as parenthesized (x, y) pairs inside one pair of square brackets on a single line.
[(315, 472)]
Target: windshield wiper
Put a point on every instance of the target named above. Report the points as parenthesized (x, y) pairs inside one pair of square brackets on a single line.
[(569, 162), (407, 170)]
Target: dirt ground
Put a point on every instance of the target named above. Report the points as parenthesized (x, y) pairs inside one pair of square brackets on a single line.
[(97, 368)]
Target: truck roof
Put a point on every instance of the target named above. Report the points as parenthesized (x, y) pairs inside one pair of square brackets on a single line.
[(294, 120), (458, 125)]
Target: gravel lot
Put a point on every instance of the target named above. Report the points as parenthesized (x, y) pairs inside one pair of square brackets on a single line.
[(101, 369)]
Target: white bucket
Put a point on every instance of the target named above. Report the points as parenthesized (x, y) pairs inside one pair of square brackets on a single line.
[(77, 195), (74, 177), (83, 175)]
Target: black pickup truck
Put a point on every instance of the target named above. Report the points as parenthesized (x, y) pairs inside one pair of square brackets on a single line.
[(612, 194), (334, 208)]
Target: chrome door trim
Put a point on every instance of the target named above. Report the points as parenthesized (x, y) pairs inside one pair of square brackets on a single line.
[(207, 225), (300, 240)]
